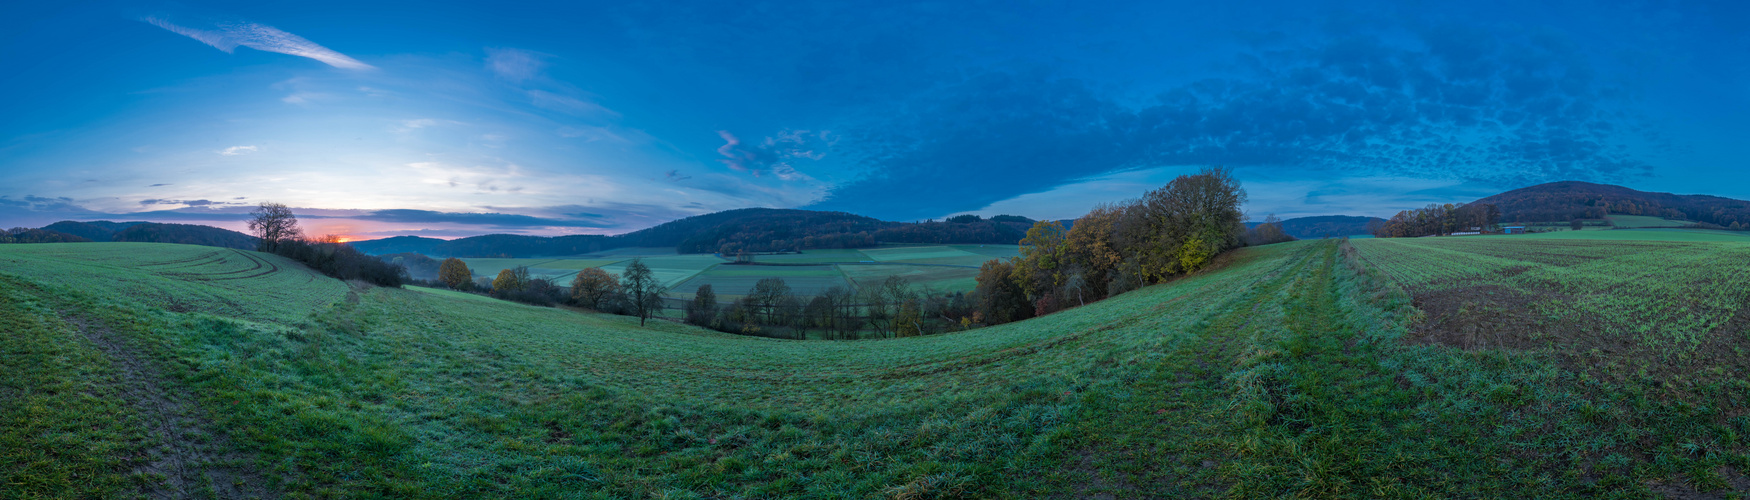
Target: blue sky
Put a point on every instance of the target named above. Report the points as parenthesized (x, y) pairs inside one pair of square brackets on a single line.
[(452, 119)]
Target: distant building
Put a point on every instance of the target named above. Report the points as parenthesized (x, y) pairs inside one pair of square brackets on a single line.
[(1513, 229)]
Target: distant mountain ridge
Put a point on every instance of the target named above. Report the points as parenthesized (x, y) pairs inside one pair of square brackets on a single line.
[(1569, 200), (729, 231), (1324, 226)]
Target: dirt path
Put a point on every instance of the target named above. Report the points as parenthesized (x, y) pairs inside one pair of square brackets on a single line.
[(194, 459)]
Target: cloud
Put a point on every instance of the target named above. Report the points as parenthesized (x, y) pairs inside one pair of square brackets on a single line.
[(675, 176), (190, 203), (513, 64), (159, 184), (407, 126), (592, 134), (569, 105), (236, 150), (1500, 108), (302, 98), (475, 218), (773, 156), (227, 36)]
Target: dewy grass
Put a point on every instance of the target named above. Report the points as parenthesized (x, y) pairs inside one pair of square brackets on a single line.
[(1283, 372)]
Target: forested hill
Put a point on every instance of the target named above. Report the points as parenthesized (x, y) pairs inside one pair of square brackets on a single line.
[(148, 232), (1324, 226), (101, 230), (187, 234), (730, 231), (760, 229), (1568, 200)]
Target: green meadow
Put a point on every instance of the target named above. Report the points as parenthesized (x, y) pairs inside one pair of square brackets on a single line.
[(1322, 369)]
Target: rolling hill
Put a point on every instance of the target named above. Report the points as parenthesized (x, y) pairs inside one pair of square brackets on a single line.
[(1300, 369), (1324, 226), (154, 232), (1568, 200), (730, 231)]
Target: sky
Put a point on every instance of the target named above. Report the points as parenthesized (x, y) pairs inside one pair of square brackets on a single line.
[(449, 119)]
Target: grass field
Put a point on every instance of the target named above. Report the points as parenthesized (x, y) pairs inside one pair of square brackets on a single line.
[(1638, 221), (732, 281), (682, 273), (671, 270), (814, 257), (1302, 369), (992, 251), (937, 278), (1647, 234)]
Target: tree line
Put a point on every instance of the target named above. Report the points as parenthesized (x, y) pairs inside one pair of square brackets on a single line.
[(892, 307), (1439, 220), (637, 292)]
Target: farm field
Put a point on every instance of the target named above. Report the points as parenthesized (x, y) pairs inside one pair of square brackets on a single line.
[(1291, 368), (1668, 307), (992, 251), (729, 281), (926, 255), (1639, 221), (684, 273), (937, 278), (670, 270), (1646, 234), (824, 256)]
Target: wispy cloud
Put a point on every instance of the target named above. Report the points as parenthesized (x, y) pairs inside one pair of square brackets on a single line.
[(569, 105), (228, 36), (237, 150), (513, 64), (774, 154), (302, 98)]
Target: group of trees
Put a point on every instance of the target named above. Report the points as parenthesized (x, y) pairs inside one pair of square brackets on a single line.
[(890, 308), (277, 232), (637, 293), (1439, 220), (1171, 231), (1269, 232)]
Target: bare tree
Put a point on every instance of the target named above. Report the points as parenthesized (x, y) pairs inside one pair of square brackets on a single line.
[(767, 295), (273, 223), (643, 291)]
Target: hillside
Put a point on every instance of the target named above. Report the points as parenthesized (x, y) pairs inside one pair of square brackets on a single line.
[(100, 230), (1568, 200), (1283, 372), (188, 234), (728, 232), (153, 232)]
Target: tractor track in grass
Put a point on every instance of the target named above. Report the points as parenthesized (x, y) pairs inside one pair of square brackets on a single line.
[(1155, 445), (259, 263), (192, 458)]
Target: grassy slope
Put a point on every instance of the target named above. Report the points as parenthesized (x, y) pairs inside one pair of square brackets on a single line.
[(1280, 374)]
